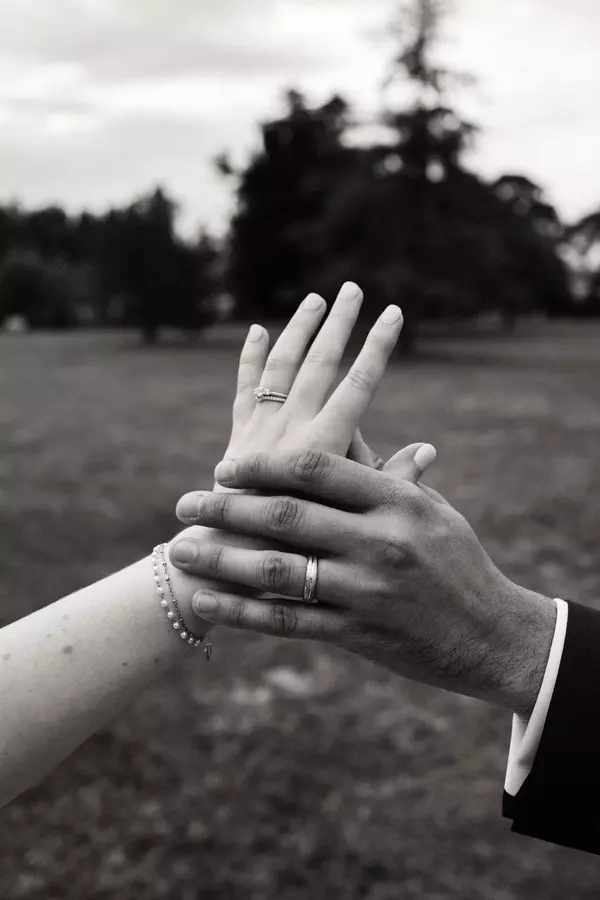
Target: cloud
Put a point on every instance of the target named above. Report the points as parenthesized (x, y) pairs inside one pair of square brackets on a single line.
[(123, 93), (137, 39), (114, 162), (100, 99)]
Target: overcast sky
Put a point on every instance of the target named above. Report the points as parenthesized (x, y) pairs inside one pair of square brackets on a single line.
[(101, 99)]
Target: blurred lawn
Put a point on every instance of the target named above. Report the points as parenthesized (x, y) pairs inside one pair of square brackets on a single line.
[(283, 770)]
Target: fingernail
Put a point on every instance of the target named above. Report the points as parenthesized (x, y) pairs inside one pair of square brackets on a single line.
[(313, 301), (184, 552), (352, 289), (255, 333), (424, 456), (204, 604), (392, 315), (190, 506), (225, 471)]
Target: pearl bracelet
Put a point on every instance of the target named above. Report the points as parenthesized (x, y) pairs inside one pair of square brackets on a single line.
[(159, 558)]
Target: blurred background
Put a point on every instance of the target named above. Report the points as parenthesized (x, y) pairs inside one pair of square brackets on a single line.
[(170, 173)]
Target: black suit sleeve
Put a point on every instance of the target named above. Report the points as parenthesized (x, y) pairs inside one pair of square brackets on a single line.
[(560, 799)]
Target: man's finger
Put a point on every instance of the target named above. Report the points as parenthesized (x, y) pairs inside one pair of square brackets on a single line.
[(279, 618), (267, 571), (287, 520), (323, 476)]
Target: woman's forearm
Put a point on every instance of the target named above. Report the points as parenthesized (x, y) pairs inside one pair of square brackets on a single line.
[(69, 668)]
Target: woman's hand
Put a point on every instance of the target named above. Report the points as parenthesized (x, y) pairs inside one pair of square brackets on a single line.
[(309, 418)]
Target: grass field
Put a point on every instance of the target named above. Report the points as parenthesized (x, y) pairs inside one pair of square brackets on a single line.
[(287, 771)]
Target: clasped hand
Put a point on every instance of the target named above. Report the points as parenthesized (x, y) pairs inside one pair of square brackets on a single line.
[(402, 578), (402, 581)]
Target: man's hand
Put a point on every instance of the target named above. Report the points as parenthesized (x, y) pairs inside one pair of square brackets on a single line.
[(402, 578)]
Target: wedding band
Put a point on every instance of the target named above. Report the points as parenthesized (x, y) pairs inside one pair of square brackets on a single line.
[(262, 395), (310, 584)]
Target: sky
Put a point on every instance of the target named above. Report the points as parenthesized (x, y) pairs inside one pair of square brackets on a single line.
[(100, 100)]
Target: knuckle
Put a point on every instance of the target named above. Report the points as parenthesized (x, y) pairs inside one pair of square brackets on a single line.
[(406, 498), (274, 363), (319, 358), (221, 508), (283, 514), (274, 572), (256, 465), (284, 619), (395, 552), (237, 614), (309, 465), (214, 560), (361, 379)]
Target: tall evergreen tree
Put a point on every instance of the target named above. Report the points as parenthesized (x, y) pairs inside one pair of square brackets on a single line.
[(280, 195)]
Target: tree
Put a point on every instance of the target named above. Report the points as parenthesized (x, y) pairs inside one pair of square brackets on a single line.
[(164, 281), (280, 194), (415, 227), (430, 140), (581, 251), (10, 227), (532, 233), (46, 293), (396, 208)]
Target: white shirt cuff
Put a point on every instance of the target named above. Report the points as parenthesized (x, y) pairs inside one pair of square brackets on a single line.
[(525, 737)]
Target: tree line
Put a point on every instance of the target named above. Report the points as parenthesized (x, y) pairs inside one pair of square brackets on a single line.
[(404, 216)]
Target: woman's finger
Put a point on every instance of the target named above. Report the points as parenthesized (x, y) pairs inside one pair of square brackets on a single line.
[(350, 401), (250, 369), (320, 368), (361, 453), (288, 352), (279, 618)]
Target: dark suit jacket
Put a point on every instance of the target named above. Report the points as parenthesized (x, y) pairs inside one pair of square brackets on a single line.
[(560, 799)]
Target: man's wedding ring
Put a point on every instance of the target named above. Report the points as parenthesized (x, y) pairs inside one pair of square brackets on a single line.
[(310, 584), (262, 395)]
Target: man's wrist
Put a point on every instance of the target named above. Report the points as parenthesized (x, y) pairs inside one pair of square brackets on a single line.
[(533, 620)]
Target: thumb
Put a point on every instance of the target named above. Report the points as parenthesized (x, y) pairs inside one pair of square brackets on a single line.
[(411, 462), (360, 452)]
